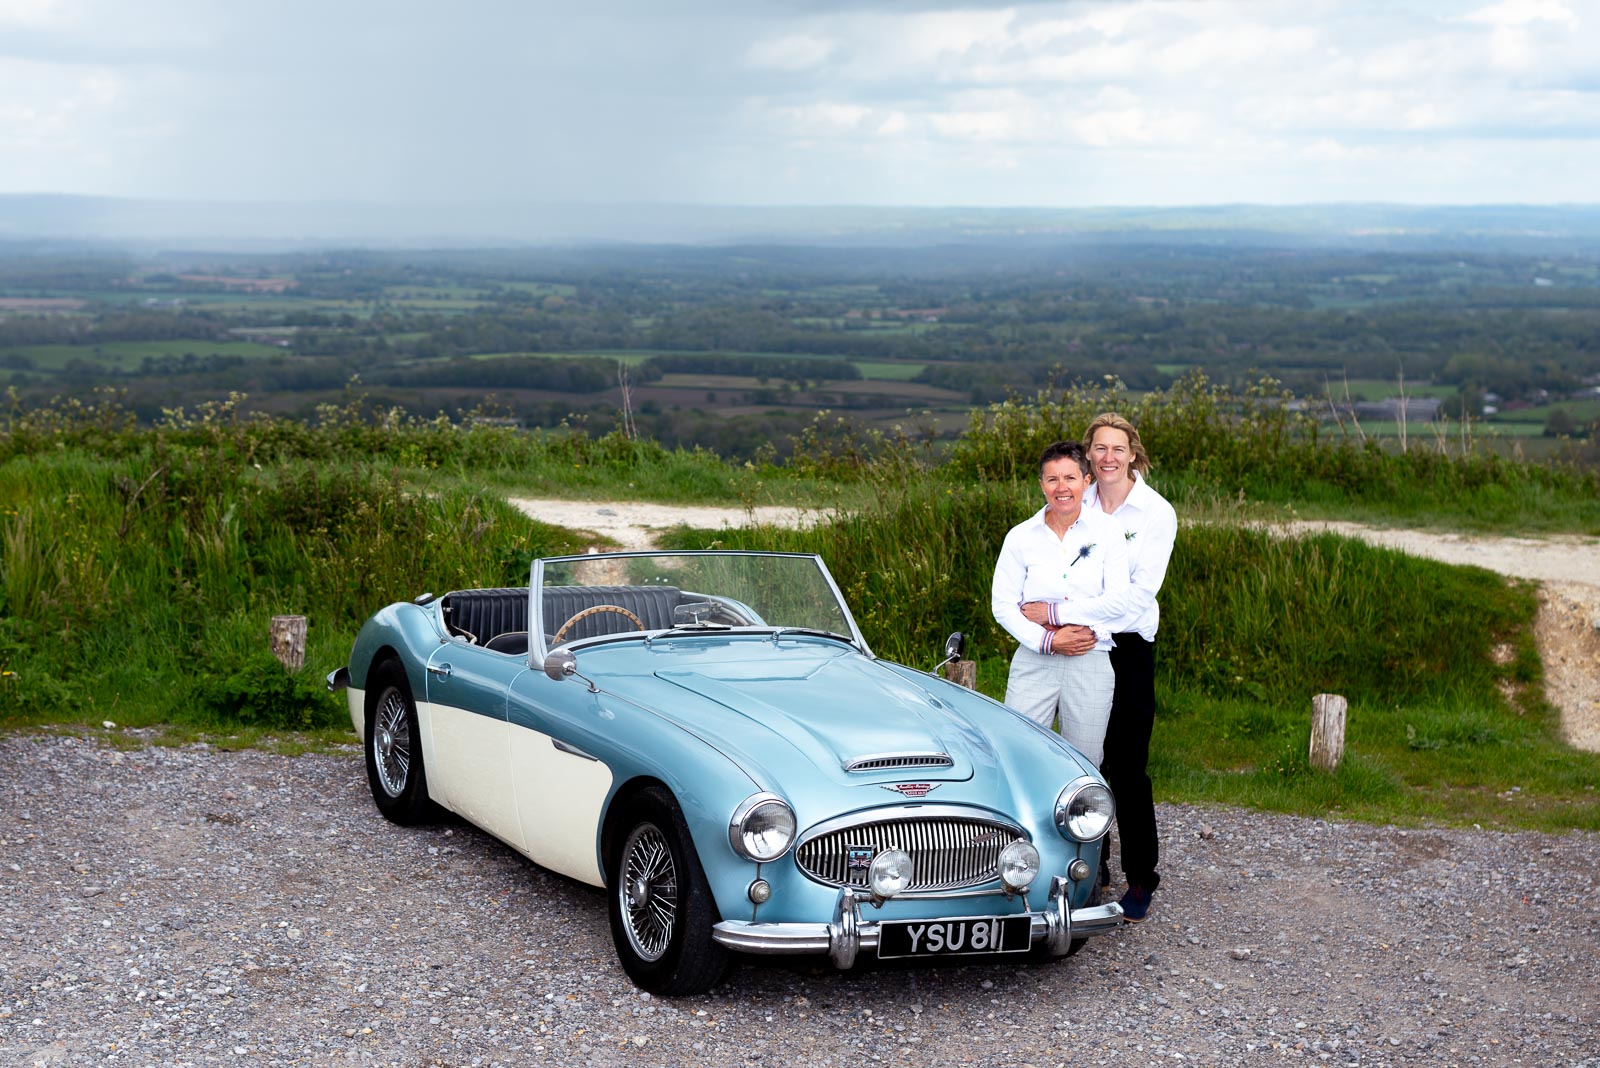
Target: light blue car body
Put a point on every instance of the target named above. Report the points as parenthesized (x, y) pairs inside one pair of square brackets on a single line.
[(716, 717)]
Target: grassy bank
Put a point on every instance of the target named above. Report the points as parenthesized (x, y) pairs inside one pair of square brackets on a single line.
[(141, 566)]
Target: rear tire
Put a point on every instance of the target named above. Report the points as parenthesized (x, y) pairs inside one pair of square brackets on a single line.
[(394, 748), (659, 901)]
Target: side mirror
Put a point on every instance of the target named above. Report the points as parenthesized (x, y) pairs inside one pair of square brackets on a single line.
[(562, 664), (954, 646)]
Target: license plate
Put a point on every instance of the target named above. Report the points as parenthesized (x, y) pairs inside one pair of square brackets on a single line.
[(943, 938)]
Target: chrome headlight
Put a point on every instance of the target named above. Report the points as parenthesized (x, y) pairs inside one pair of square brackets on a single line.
[(1084, 810), (762, 828), (890, 872), (1019, 865)]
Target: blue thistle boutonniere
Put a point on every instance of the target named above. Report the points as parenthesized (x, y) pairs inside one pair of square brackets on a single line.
[(1083, 551)]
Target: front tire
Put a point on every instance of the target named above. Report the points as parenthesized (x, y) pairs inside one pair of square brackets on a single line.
[(394, 748), (660, 903)]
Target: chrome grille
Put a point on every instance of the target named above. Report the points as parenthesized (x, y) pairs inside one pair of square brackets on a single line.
[(897, 761), (947, 852)]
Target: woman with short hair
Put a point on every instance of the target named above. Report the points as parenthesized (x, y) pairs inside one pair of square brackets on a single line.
[(1060, 583)]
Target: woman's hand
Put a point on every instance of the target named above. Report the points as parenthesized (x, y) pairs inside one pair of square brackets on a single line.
[(1037, 612), (1072, 640)]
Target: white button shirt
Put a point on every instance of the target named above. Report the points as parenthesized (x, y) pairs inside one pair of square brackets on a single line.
[(1084, 575), (1150, 526)]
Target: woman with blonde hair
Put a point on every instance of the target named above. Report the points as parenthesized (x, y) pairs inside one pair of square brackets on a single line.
[(1149, 526)]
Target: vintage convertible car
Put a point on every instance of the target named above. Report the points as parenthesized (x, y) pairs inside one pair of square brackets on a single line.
[(708, 737)]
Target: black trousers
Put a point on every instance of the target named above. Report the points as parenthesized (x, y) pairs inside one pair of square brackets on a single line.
[(1133, 714)]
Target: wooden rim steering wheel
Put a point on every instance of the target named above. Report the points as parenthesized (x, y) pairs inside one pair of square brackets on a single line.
[(617, 608)]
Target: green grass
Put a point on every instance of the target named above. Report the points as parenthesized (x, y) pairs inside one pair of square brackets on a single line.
[(154, 576), (139, 567), (1212, 444)]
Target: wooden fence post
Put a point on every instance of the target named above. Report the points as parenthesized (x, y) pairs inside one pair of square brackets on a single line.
[(962, 673), (1327, 730), (288, 637)]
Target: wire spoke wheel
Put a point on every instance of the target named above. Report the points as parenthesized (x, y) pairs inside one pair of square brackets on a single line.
[(648, 892), (396, 770), (391, 743)]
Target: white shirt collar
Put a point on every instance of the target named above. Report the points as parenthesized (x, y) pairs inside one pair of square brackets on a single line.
[(1138, 497)]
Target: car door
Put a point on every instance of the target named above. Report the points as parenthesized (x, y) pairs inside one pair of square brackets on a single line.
[(465, 746), (560, 783)]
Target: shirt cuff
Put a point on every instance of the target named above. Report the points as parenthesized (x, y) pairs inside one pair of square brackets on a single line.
[(1044, 646)]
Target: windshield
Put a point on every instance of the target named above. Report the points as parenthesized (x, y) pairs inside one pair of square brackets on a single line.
[(598, 596)]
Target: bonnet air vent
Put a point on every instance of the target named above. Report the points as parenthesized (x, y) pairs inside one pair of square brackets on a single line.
[(899, 761)]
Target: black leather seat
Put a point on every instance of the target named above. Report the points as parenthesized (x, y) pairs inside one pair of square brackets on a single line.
[(488, 612), (513, 642)]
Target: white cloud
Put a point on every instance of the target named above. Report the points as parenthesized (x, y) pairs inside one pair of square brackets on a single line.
[(894, 123), (1525, 13), (29, 12), (795, 52), (1327, 148)]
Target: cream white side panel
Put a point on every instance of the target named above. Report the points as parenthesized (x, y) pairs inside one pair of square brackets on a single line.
[(469, 768), (356, 700), (560, 797)]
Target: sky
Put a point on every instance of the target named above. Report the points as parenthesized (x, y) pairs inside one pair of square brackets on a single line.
[(804, 102)]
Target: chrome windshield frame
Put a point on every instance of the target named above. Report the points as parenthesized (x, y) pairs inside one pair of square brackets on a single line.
[(537, 649)]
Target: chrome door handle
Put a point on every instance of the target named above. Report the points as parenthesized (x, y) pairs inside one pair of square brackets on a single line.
[(442, 670)]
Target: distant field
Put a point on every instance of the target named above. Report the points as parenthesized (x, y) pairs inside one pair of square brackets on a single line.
[(437, 298), (1581, 411), (1428, 432), (126, 355), (632, 359), (240, 302), (39, 305), (889, 370), (549, 289), (1376, 389), (911, 391), (871, 370)]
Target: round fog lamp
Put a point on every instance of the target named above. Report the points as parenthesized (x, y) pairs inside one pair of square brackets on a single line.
[(1078, 870), (760, 891), (890, 872), (1019, 865)]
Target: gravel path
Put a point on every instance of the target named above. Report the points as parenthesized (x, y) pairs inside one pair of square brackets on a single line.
[(195, 907)]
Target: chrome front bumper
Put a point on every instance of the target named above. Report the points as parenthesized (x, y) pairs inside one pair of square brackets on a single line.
[(1057, 926)]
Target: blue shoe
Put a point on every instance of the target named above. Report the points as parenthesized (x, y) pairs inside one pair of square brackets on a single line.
[(1135, 903)]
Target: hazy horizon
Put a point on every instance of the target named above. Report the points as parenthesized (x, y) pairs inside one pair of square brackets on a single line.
[(287, 226)]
